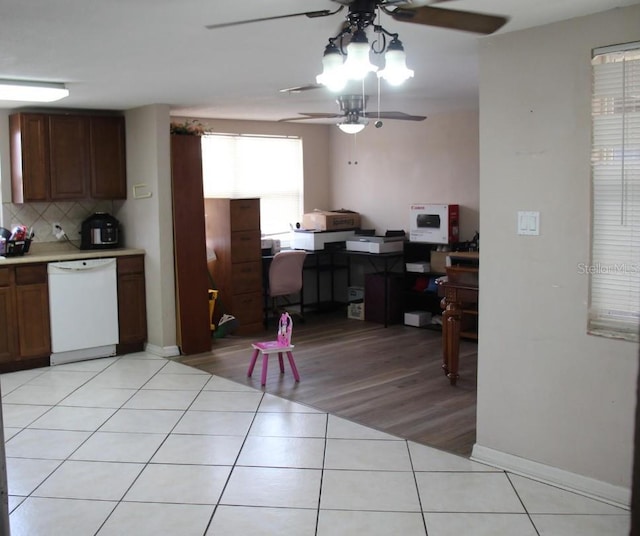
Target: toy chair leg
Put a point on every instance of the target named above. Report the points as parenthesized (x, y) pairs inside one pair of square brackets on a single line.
[(254, 357), (281, 362), (293, 366), (265, 363)]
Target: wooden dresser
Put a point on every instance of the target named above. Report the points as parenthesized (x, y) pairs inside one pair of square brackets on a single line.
[(233, 233)]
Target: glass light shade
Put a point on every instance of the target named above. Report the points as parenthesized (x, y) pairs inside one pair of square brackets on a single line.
[(332, 75), (353, 126), (395, 68), (18, 90), (357, 64)]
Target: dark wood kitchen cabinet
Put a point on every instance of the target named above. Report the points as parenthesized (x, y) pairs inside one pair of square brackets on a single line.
[(132, 308), (24, 310), (9, 333), (67, 156), (108, 161), (29, 142)]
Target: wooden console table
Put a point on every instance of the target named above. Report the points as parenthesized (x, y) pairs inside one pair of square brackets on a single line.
[(460, 309)]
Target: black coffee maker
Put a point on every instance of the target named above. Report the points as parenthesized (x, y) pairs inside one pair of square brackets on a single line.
[(100, 231)]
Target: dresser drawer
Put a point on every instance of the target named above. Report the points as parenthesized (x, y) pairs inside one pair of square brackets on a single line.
[(245, 246), (246, 277), (247, 308), (245, 214)]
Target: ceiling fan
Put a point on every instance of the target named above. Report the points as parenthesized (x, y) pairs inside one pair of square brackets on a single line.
[(363, 13), (354, 115)]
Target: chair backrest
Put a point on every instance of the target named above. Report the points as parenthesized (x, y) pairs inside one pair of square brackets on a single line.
[(285, 326), (285, 272)]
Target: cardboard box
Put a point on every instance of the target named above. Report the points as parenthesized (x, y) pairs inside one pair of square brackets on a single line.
[(435, 224), (417, 318), (316, 240), (439, 261), (322, 220), (356, 310)]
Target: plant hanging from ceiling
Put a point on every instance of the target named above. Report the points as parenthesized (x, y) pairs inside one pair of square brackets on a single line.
[(190, 127)]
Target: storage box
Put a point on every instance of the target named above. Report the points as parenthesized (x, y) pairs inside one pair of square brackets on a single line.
[(321, 220), (417, 318), (316, 240), (418, 267), (435, 224), (368, 246), (439, 261), (356, 310), (355, 294)]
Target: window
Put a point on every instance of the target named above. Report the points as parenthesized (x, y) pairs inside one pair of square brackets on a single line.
[(268, 167), (615, 244)]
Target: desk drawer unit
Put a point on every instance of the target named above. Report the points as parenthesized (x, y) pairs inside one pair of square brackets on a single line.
[(233, 232), (245, 246)]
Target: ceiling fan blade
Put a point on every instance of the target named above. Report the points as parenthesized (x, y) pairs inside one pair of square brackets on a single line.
[(450, 18), (299, 89), (311, 116), (309, 14), (394, 115)]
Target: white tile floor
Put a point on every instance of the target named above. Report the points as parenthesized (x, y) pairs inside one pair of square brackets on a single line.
[(146, 446)]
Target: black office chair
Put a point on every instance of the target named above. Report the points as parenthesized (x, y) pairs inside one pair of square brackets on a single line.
[(284, 283)]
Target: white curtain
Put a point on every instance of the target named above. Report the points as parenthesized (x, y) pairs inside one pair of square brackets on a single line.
[(268, 167)]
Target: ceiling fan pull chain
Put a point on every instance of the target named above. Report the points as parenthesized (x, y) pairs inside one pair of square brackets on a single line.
[(354, 151)]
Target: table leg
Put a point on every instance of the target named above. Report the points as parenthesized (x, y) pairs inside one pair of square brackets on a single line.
[(451, 318)]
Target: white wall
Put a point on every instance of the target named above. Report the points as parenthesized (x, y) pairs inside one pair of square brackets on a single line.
[(548, 393), (405, 162), (148, 222)]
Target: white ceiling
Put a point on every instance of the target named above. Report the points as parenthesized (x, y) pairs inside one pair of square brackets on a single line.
[(120, 54)]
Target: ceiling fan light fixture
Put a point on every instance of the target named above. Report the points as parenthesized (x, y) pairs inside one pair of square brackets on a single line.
[(31, 91), (352, 125), (395, 70), (358, 65), (332, 76)]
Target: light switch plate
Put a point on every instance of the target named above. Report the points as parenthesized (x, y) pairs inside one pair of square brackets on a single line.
[(528, 222)]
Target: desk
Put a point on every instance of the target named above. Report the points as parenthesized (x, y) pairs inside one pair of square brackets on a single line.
[(329, 261)]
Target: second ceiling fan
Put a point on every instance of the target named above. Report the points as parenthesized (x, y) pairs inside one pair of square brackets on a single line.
[(354, 114)]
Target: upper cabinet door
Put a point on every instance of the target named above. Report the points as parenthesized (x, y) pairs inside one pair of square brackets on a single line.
[(29, 157), (69, 156), (108, 162)]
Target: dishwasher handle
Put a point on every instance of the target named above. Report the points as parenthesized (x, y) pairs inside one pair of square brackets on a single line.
[(79, 265)]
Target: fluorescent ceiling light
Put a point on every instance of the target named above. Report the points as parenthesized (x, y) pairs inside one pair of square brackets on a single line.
[(22, 90)]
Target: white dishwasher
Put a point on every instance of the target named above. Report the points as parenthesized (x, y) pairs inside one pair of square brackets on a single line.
[(83, 307)]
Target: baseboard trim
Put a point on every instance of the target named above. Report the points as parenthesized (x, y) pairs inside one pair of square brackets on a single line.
[(162, 351), (596, 489)]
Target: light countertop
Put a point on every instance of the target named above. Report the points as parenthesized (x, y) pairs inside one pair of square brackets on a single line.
[(65, 251)]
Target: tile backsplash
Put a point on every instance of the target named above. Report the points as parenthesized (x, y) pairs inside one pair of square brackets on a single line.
[(42, 216)]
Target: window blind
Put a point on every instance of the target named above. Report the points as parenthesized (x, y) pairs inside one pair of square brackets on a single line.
[(615, 243), (267, 167)]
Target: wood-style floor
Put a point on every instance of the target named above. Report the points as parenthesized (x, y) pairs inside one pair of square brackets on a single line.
[(387, 378)]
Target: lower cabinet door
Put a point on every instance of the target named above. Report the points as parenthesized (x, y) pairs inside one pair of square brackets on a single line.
[(9, 333), (32, 313)]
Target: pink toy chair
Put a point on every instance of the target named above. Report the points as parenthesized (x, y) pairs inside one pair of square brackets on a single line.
[(282, 345), (284, 281)]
